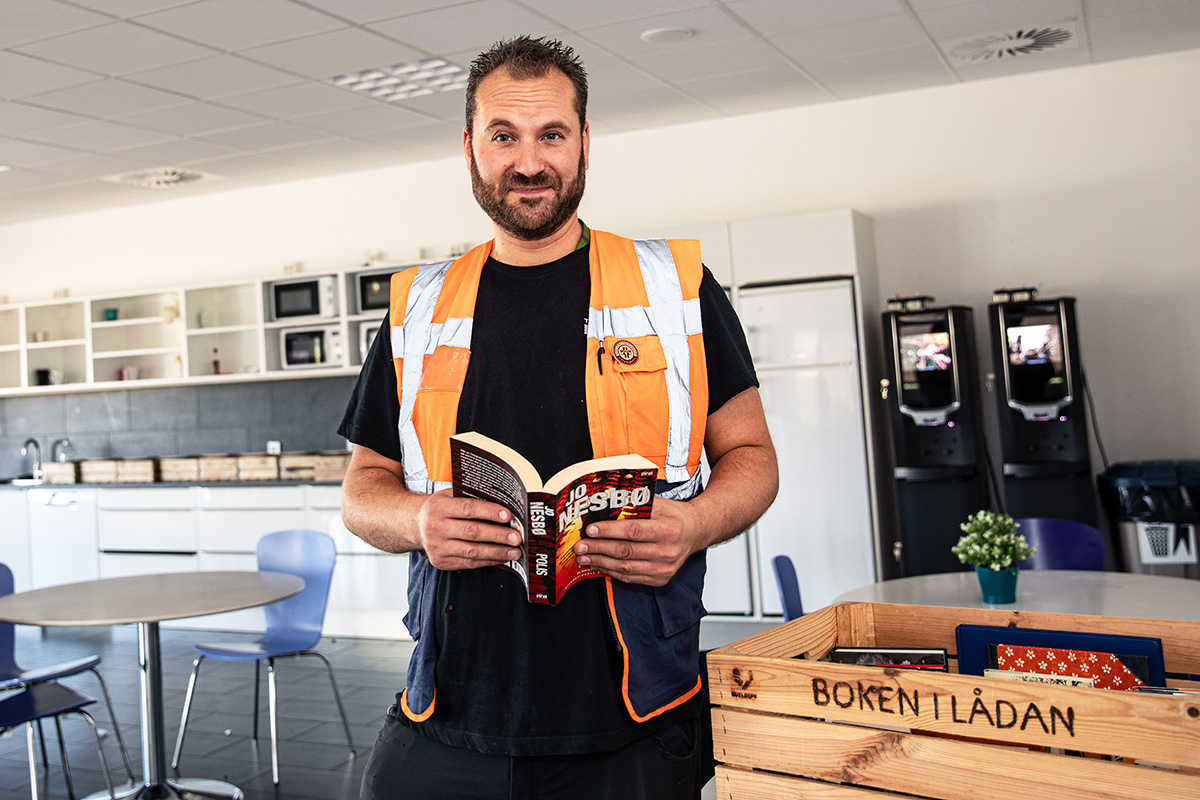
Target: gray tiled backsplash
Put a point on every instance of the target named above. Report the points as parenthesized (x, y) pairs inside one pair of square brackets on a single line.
[(303, 414)]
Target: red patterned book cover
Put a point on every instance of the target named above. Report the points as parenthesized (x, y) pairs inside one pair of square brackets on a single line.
[(1107, 670), (551, 516)]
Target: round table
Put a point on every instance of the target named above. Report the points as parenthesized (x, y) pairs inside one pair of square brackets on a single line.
[(1109, 594), (147, 600)]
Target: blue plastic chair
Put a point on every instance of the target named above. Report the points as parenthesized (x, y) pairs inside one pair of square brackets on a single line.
[(293, 626), (1062, 544), (50, 700), (789, 587), (13, 676)]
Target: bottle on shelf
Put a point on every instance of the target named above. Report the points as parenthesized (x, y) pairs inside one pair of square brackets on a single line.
[(216, 361)]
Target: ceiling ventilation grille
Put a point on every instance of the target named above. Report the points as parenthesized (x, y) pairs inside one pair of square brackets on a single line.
[(159, 178), (1011, 44)]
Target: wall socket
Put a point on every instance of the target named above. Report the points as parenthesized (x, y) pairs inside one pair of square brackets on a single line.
[(293, 268), (274, 447)]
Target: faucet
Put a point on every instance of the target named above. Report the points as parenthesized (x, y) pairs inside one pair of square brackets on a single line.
[(37, 456), (62, 450)]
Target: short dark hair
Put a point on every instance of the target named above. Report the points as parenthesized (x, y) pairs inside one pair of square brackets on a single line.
[(526, 58)]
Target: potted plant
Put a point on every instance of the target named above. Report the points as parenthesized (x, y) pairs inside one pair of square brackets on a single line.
[(993, 546)]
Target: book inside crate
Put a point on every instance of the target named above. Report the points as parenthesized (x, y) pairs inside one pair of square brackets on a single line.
[(787, 724)]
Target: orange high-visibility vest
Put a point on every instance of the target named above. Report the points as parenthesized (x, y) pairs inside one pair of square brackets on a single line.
[(646, 392)]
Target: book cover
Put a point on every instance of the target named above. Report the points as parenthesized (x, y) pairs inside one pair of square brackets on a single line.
[(551, 516)]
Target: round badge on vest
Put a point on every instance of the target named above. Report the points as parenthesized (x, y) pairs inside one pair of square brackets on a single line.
[(625, 352)]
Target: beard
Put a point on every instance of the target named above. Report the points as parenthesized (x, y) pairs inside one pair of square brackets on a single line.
[(529, 219)]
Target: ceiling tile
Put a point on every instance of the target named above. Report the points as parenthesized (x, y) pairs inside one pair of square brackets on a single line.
[(107, 99), (300, 100), (257, 167), (710, 27), (17, 154), (650, 108), (19, 118), (264, 137), (909, 67), (455, 28), (116, 49), (772, 18), (856, 38), (1155, 30), (236, 24), (213, 78), (584, 14), (326, 55), (92, 165), (193, 119), (760, 90), (129, 8), (20, 179), (377, 118), (179, 152), (985, 17), (21, 76), (437, 140), (445, 106), (102, 137), (363, 11), (26, 22), (747, 55)]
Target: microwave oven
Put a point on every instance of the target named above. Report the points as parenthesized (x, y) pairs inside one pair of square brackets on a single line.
[(366, 335), (303, 297), (318, 346), (374, 290)]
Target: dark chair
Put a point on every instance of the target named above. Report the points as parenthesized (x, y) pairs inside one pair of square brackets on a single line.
[(293, 626), (13, 676), (1061, 544), (789, 587), (44, 701)]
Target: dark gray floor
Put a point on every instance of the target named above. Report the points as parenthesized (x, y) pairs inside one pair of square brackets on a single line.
[(315, 762)]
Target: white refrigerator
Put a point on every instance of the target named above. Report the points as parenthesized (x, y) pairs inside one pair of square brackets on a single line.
[(803, 337)]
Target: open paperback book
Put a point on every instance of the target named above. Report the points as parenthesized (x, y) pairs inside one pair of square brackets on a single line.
[(551, 516)]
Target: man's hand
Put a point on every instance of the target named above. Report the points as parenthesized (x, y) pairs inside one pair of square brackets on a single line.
[(465, 533), (646, 551)]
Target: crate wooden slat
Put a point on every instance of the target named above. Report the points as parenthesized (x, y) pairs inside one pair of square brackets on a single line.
[(137, 470), (297, 466), (60, 472), (258, 467), (218, 468), (331, 467), (98, 470), (943, 735), (179, 469), (734, 782)]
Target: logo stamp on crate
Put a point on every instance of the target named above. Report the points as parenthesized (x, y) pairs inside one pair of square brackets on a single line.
[(742, 679)]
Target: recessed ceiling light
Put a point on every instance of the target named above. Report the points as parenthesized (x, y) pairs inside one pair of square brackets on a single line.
[(666, 35), (404, 81), (159, 178)]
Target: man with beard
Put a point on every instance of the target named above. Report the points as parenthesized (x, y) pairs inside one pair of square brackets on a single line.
[(564, 343)]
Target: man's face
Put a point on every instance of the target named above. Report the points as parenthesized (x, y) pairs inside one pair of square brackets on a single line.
[(527, 153)]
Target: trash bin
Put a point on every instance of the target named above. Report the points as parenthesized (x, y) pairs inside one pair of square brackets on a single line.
[(1153, 509)]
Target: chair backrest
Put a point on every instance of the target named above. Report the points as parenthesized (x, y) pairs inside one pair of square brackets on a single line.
[(789, 587), (311, 555), (8, 642), (1062, 544)]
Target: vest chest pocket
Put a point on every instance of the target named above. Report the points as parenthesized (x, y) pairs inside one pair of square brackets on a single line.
[(639, 375), (444, 370)]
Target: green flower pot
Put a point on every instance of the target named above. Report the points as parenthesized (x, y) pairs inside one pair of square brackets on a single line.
[(999, 585)]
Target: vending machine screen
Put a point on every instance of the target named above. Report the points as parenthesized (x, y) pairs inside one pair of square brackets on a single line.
[(926, 360), (1037, 369)]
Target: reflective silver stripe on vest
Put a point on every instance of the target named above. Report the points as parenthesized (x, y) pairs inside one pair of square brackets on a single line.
[(416, 338), (672, 319)]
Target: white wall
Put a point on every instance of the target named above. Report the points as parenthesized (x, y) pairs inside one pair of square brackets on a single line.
[(1083, 182)]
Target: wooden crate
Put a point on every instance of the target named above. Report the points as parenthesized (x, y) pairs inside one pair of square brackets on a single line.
[(179, 469), (137, 470), (60, 472), (331, 467), (786, 725), (218, 468), (98, 470), (258, 467), (298, 466)]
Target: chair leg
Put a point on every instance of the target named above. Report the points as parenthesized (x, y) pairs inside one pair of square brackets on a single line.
[(100, 752), (271, 699), (336, 696), (116, 727), (254, 725), (66, 765), (33, 776), (187, 708)]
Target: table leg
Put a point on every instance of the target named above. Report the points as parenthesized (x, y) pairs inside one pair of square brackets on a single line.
[(155, 784)]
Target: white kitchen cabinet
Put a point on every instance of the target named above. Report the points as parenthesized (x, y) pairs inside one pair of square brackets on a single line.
[(231, 520), (153, 520), (63, 546), (14, 537)]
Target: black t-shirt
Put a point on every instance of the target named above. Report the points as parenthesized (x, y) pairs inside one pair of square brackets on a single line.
[(512, 677)]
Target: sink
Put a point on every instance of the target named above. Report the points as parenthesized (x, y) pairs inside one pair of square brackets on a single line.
[(22, 480)]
